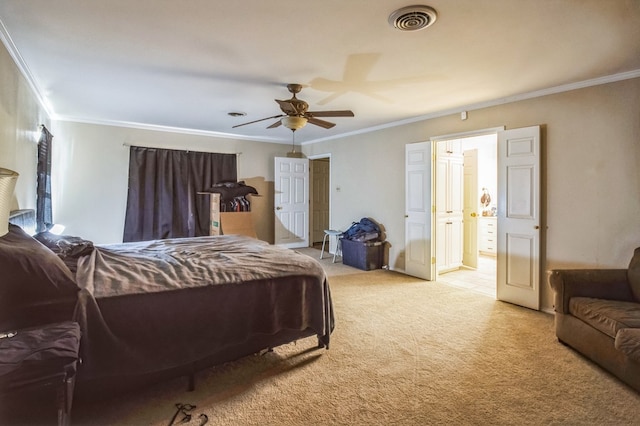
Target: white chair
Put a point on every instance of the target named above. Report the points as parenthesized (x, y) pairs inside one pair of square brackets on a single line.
[(329, 233)]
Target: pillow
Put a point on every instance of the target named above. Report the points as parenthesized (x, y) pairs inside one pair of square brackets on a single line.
[(31, 273), (633, 274), (65, 245)]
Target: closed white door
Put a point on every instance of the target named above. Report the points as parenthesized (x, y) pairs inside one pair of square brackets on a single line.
[(519, 217), (418, 244), (449, 205), (291, 202)]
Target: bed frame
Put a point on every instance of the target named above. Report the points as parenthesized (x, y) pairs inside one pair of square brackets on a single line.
[(138, 330)]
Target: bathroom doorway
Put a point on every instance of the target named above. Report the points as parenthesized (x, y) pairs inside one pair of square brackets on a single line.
[(466, 191)]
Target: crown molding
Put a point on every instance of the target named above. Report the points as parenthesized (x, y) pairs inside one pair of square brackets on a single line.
[(168, 129), (26, 72), (498, 101), (24, 69), (470, 107)]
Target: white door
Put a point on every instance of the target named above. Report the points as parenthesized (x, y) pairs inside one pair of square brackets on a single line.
[(519, 221), (449, 180), (418, 245), (470, 210), (291, 202)]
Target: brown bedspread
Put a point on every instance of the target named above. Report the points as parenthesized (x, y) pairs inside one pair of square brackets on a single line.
[(156, 305)]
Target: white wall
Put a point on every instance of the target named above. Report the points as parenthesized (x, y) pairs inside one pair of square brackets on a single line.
[(591, 178), (92, 166), (20, 117)]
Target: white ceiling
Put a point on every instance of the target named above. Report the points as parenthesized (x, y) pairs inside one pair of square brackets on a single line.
[(185, 64)]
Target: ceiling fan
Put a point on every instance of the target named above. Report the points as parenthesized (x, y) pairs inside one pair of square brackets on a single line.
[(295, 115)]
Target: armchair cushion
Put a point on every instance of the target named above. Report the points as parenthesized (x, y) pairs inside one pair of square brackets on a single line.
[(628, 342), (608, 316), (633, 274)]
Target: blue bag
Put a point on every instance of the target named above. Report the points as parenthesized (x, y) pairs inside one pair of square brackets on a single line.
[(364, 230)]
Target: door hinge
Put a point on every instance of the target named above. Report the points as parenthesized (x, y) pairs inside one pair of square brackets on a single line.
[(433, 260)]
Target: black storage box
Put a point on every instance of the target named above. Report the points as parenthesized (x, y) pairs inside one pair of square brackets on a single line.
[(362, 255)]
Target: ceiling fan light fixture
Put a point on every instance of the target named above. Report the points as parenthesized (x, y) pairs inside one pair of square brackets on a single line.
[(294, 122), (413, 18)]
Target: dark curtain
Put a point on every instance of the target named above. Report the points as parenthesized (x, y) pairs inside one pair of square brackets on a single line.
[(163, 200), (44, 213)]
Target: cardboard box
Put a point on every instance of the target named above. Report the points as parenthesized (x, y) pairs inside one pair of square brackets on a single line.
[(238, 223), (214, 213)]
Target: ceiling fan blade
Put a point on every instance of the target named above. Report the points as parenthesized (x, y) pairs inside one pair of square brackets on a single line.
[(321, 123), (340, 113), (287, 107), (256, 121), (274, 125)]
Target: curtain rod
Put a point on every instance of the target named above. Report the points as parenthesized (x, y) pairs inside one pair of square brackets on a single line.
[(176, 149)]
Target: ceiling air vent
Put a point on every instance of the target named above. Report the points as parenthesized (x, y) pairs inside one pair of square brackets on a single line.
[(412, 18)]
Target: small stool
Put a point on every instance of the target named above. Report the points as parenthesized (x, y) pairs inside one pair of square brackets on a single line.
[(334, 233), (38, 357)]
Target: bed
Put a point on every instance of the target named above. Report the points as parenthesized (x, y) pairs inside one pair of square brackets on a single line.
[(156, 309)]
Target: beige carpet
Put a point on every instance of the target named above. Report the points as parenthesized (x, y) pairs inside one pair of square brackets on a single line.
[(404, 352)]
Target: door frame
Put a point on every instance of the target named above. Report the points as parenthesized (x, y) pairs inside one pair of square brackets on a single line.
[(331, 238), (442, 138)]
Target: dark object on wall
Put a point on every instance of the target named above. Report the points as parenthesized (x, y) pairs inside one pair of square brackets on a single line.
[(485, 199), (362, 255)]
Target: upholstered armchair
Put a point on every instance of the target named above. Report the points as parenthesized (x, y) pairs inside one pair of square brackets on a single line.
[(597, 313)]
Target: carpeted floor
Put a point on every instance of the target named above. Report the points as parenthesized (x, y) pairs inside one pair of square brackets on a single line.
[(404, 352)]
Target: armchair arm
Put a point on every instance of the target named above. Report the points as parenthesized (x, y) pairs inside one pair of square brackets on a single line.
[(609, 284)]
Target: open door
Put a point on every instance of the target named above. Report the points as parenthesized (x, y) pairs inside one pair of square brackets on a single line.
[(519, 221), (470, 209), (320, 197), (418, 218), (291, 202)]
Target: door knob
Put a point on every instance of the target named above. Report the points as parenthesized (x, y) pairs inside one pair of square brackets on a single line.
[(474, 214), (278, 208)]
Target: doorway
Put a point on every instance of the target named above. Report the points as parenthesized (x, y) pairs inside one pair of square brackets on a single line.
[(519, 223), (320, 198), (467, 186)]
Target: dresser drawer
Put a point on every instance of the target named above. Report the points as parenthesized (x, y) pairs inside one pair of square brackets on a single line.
[(488, 235)]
